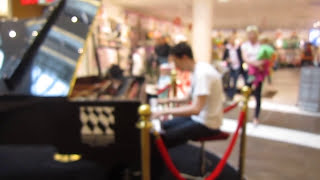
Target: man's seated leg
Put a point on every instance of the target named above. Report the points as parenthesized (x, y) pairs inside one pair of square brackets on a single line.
[(182, 129), (167, 125)]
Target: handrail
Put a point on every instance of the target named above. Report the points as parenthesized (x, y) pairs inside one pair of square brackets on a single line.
[(246, 91), (145, 125)]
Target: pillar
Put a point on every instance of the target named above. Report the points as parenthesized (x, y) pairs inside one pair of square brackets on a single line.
[(202, 26)]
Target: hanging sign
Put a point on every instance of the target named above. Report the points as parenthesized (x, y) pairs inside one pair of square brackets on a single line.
[(31, 2)]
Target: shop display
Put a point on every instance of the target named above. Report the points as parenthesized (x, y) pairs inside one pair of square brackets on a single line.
[(129, 41)]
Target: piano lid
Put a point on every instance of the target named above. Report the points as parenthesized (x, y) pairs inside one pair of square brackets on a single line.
[(46, 69)]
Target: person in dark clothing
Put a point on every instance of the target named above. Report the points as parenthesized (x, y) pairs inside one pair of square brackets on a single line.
[(233, 56), (162, 50), (307, 55)]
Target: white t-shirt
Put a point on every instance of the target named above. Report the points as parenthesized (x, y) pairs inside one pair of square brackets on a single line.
[(206, 80), (250, 50)]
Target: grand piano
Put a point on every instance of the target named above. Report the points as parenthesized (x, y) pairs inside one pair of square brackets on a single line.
[(39, 119)]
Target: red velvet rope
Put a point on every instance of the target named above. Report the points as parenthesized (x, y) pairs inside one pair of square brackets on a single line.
[(160, 91), (166, 157), (226, 155), (229, 108)]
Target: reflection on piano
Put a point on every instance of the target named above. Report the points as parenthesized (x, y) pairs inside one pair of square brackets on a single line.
[(93, 88), (114, 86)]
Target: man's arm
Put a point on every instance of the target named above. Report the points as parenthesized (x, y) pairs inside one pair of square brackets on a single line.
[(174, 100), (193, 109)]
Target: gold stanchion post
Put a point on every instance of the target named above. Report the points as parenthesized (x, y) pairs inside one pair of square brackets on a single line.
[(174, 82), (145, 125), (246, 91)]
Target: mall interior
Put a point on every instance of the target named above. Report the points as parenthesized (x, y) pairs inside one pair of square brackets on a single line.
[(83, 82)]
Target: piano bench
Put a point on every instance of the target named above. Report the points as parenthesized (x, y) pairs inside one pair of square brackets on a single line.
[(221, 136)]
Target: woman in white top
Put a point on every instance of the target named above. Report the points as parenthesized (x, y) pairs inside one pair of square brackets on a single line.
[(250, 51)]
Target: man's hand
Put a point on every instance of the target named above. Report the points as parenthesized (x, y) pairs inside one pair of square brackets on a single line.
[(174, 100), (156, 114)]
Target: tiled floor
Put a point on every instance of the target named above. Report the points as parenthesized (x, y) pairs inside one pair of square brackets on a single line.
[(286, 81), (274, 160)]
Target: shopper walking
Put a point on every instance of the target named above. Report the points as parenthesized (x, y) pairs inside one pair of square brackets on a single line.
[(233, 56), (162, 50), (307, 55), (250, 50)]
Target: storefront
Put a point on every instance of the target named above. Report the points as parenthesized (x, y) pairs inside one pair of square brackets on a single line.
[(128, 39)]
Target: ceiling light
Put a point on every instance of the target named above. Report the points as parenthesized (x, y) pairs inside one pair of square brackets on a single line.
[(12, 34), (74, 19), (80, 50), (279, 43), (34, 33)]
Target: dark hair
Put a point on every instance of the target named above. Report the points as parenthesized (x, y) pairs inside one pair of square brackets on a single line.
[(181, 49), (115, 72)]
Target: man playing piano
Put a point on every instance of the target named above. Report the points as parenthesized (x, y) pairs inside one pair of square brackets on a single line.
[(203, 116)]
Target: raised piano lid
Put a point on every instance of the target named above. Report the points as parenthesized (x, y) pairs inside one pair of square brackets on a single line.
[(40, 56)]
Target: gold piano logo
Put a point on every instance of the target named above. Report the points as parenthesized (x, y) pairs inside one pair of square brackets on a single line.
[(97, 125)]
